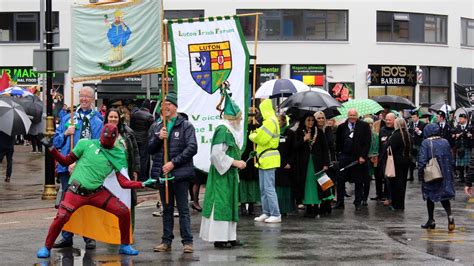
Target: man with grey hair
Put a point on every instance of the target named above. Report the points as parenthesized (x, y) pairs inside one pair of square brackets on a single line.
[(385, 133), (87, 124), (353, 139)]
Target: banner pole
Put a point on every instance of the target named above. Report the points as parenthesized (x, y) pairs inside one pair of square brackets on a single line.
[(164, 92), (255, 45), (71, 108)]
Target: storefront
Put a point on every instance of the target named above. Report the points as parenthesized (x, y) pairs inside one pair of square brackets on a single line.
[(311, 75), (392, 80), (264, 73)]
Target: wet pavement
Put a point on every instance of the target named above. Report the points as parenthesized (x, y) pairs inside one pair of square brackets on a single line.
[(373, 236)]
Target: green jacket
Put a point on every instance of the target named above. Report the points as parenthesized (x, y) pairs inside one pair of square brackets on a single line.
[(267, 138)]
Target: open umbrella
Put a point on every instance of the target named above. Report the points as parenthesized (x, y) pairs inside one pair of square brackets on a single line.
[(394, 102), (300, 112), (13, 119), (280, 88), (32, 105), (16, 91), (310, 99), (440, 107), (363, 107)]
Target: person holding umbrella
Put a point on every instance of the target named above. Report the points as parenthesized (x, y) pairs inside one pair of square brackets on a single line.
[(352, 146)]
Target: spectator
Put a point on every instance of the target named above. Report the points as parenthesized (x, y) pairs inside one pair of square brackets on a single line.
[(7, 147), (141, 122), (285, 173)]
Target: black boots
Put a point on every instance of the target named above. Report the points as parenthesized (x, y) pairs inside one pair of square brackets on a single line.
[(451, 225), (429, 225)]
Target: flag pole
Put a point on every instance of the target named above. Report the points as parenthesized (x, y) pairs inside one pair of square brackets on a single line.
[(164, 92), (254, 82), (72, 113)]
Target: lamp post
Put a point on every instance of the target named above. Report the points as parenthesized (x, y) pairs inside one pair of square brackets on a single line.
[(49, 190)]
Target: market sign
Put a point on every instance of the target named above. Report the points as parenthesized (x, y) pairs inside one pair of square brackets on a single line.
[(390, 75), (25, 75), (311, 75), (265, 73)]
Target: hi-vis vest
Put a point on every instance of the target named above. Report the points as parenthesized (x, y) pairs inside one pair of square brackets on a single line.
[(267, 138)]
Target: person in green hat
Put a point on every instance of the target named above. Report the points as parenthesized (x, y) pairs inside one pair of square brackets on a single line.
[(220, 212)]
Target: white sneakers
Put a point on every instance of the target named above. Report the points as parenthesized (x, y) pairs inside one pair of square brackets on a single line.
[(261, 218), (273, 219), (268, 219)]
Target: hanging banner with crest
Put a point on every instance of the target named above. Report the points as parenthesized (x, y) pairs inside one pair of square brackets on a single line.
[(119, 39), (206, 53)]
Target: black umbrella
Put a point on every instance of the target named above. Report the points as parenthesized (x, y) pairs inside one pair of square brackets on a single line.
[(310, 99), (33, 107), (300, 112), (395, 102), (441, 107), (13, 119)]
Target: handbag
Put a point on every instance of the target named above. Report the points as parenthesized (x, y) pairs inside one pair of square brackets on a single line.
[(432, 170), (390, 164)]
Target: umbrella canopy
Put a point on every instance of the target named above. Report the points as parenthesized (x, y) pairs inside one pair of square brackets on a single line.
[(16, 91), (441, 107), (280, 88), (310, 99), (32, 105), (363, 107), (395, 102), (300, 112), (13, 119)]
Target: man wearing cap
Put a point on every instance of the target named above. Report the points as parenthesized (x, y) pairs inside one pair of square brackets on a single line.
[(182, 146), (415, 128), (221, 201), (462, 137), (445, 129)]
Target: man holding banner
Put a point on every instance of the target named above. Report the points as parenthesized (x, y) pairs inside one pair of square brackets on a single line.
[(182, 146)]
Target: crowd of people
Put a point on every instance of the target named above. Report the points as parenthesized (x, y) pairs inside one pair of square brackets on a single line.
[(283, 174)]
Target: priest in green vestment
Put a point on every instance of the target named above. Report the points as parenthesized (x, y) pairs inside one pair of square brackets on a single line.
[(221, 200)]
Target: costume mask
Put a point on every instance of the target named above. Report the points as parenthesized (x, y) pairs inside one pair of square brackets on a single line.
[(108, 136)]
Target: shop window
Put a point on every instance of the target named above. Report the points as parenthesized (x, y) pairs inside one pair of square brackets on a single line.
[(177, 14), (24, 27), (436, 85), (296, 24), (467, 32), (403, 91), (411, 27)]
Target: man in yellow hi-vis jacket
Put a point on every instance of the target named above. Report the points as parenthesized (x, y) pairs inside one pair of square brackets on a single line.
[(267, 138)]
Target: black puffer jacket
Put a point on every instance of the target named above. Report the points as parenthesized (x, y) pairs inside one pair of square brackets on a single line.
[(182, 148), (141, 122)]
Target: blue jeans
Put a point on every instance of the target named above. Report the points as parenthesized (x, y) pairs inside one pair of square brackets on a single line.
[(176, 191), (64, 177), (268, 193)]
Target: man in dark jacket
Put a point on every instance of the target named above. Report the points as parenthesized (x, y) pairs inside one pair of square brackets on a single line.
[(141, 122), (415, 128), (444, 127), (182, 146), (462, 137), (7, 144), (353, 139)]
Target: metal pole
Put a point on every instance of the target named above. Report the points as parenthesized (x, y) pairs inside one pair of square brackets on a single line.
[(148, 86), (49, 191)]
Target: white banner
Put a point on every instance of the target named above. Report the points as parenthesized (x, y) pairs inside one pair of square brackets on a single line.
[(205, 54)]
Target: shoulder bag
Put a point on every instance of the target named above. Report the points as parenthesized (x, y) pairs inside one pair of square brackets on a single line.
[(432, 170), (390, 164)]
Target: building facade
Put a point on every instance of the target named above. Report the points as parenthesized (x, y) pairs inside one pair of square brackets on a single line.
[(416, 49)]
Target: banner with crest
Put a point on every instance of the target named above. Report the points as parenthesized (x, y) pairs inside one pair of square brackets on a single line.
[(116, 39), (205, 54)]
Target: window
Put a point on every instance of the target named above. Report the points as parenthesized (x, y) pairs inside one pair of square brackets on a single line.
[(297, 24), (467, 32), (24, 27), (436, 85), (176, 14), (411, 27)]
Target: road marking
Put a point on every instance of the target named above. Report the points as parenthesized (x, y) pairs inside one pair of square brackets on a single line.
[(16, 222)]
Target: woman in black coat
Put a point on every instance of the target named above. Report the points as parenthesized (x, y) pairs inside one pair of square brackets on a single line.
[(284, 174), (311, 156), (400, 143)]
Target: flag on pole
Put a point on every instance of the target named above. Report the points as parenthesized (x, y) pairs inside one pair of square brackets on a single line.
[(205, 54), (116, 39)]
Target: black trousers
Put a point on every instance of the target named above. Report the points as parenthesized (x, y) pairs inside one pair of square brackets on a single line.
[(9, 155), (341, 190), (36, 142), (144, 161), (398, 186)]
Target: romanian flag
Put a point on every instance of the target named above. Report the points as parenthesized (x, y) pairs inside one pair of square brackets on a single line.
[(96, 223), (310, 80)]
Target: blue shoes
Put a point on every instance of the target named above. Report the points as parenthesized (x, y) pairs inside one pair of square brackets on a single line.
[(43, 253), (128, 250)]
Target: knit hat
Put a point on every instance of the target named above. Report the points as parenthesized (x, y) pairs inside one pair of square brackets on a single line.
[(231, 110), (172, 98)]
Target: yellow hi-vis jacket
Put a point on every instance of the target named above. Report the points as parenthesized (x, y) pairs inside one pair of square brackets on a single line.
[(267, 138)]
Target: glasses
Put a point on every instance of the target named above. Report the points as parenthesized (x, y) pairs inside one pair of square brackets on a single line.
[(84, 96)]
